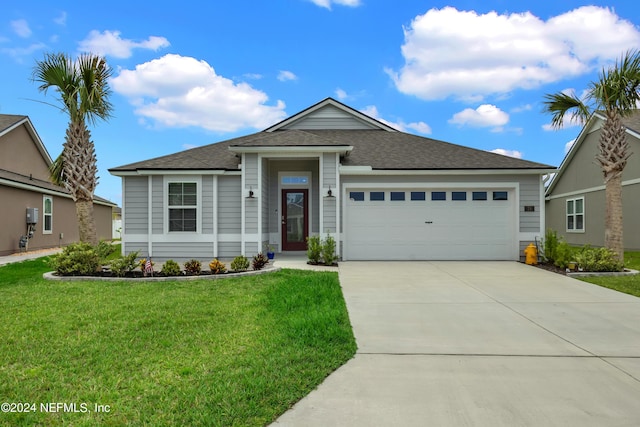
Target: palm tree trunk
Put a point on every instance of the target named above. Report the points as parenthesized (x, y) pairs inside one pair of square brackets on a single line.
[(613, 155), (613, 231), (80, 169)]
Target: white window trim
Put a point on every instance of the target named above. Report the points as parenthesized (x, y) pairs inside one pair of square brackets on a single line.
[(165, 208), (45, 214), (575, 222)]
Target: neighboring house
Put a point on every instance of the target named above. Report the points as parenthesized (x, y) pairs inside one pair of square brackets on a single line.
[(576, 198), (381, 193), (25, 183), (116, 228)]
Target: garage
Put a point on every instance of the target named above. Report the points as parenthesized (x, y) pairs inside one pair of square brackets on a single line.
[(430, 224)]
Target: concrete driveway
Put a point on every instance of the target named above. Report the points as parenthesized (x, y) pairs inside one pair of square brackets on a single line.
[(480, 344)]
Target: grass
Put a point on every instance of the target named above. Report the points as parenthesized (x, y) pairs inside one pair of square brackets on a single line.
[(238, 351), (627, 284)]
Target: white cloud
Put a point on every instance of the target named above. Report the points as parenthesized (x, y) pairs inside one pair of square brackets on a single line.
[(180, 91), (21, 28), (569, 145), (253, 76), (109, 43), (420, 127), (62, 19), (341, 94), (510, 153), (522, 108), (466, 55), (327, 3), (19, 52), (486, 115), (285, 75)]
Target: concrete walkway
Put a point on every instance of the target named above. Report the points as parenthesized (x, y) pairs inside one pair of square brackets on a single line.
[(480, 344), (23, 256)]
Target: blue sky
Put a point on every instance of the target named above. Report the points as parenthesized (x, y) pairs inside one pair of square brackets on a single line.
[(191, 73)]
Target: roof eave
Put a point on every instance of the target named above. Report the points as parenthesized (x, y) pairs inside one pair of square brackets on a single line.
[(242, 149)]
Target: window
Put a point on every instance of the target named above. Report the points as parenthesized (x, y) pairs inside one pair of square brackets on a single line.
[(575, 214), (479, 195), (499, 195), (376, 196), (458, 195), (417, 195), (438, 195), (183, 203), (295, 180), (397, 196), (47, 215), (357, 196)]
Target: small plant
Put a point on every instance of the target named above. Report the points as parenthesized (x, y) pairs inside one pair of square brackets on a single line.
[(329, 250), (314, 249), (124, 264), (550, 245), (171, 268), (217, 267), (193, 267), (104, 249), (240, 263), (143, 262), (597, 259), (76, 259), (259, 261), (563, 254)]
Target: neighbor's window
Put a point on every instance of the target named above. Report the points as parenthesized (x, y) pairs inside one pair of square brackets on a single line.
[(575, 214), (47, 215), (183, 204)]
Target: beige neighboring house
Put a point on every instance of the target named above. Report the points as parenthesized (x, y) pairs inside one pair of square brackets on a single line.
[(25, 184), (575, 198)]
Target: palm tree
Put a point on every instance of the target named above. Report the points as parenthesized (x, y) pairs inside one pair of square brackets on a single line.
[(83, 88), (616, 94)]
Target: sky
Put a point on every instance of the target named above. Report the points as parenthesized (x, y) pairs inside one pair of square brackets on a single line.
[(194, 73)]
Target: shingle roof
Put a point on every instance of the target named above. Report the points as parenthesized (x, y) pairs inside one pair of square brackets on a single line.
[(633, 121), (379, 149), (8, 120)]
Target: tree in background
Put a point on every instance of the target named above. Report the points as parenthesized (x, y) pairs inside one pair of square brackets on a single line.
[(83, 88), (616, 94)]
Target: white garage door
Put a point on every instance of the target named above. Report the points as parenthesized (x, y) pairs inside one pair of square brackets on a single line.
[(430, 224)]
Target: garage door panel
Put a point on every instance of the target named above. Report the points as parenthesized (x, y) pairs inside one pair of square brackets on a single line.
[(429, 229)]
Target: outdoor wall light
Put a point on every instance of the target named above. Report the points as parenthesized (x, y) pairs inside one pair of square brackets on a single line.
[(330, 193), (250, 196)]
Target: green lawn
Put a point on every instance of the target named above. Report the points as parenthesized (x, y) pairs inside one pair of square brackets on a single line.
[(626, 284), (238, 351)]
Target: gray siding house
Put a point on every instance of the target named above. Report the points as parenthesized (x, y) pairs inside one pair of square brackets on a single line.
[(332, 170), (575, 197)]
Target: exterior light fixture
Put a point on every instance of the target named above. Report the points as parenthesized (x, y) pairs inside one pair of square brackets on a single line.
[(330, 193), (250, 196)]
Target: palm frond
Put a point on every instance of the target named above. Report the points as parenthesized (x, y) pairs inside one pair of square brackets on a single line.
[(561, 105), (618, 87), (56, 171)]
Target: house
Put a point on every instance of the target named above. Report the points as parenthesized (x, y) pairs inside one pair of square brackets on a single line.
[(332, 170), (25, 184), (575, 198)]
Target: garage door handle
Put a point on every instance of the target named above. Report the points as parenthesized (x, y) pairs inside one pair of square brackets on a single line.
[(428, 222)]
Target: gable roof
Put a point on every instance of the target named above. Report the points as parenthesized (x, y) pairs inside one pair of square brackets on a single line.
[(631, 123), (376, 145), (9, 122), (327, 104)]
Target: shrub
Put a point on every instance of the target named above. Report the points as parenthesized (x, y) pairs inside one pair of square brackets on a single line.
[(171, 268), (329, 250), (193, 267), (240, 263), (124, 264), (550, 245), (314, 249), (598, 259), (564, 254), (76, 259), (217, 267), (259, 261), (104, 249)]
